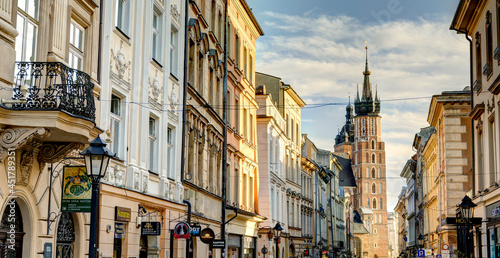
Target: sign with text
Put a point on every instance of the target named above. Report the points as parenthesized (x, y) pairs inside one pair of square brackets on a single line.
[(76, 190), (47, 250), (150, 228), (195, 230), (119, 230), (122, 214), (207, 235), (218, 244)]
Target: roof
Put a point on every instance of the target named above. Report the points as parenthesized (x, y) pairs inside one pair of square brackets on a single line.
[(366, 210), (346, 175)]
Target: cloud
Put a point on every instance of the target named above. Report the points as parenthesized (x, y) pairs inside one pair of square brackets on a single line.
[(322, 57)]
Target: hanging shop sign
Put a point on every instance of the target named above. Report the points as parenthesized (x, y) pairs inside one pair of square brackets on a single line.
[(150, 228), (122, 214), (182, 230), (195, 230), (207, 236), (76, 190), (218, 243)]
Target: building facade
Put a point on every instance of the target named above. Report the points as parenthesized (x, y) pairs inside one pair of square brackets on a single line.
[(479, 22), (402, 232), (49, 107)]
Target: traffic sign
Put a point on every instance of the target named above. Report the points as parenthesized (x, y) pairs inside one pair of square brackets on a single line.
[(421, 253), (446, 246), (439, 256)]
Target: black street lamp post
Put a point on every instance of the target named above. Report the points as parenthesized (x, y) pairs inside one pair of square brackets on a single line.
[(465, 213), (277, 230), (97, 158)]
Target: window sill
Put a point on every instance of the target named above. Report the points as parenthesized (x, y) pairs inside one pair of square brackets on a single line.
[(122, 35), (157, 64)]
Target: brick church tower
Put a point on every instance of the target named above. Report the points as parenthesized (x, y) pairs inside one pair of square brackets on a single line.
[(361, 137)]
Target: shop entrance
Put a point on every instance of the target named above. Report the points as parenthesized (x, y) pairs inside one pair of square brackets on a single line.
[(65, 236), (11, 245)]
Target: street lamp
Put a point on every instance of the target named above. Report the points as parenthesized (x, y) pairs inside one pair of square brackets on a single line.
[(466, 212), (421, 239), (277, 230), (97, 158)]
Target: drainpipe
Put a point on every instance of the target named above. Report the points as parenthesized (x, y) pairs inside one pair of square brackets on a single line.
[(184, 88), (224, 146)]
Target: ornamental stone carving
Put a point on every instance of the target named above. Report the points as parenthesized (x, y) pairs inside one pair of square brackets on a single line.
[(172, 98), (119, 176), (155, 91), (174, 12), (15, 138), (120, 63)]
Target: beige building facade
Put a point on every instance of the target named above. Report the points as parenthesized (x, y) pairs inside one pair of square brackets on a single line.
[(49, 89)]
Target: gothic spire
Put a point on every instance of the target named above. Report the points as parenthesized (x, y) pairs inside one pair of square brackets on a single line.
[(367, 89)]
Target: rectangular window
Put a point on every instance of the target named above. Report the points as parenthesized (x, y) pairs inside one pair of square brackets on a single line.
[(76, 50), (250, 72), (237, 50), (153, 149), (251, 129), (170, 153), (122, 20), (174, 51), (27, 27), (116, 126), (237, 114), (156, 41), (491, 151)]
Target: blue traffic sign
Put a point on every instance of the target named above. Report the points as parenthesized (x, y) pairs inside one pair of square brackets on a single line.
[(439, 256), (421, 253)]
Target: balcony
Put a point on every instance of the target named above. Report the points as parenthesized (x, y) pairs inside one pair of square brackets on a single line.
[(47, 86)]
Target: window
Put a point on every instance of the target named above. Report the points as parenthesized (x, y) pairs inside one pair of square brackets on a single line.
[(363, 127), (477, 84), (488, 69), (373, 158), (115, 126), (76, 49), (374, 190), (381, 206), (156, 41), (153, 161), (373, 173), (237, 114), (380, 187), (374, 203), (250, 65), (174, 51), (373, 144), (122, 20), (367, 172), (372, 127), (170, 153), (368, 201), (251, 129), (237, 50), (379, 173), (491, 151), (367, 188), (27, 27)]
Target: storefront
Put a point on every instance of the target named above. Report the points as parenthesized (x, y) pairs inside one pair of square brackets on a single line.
[(493, 227)]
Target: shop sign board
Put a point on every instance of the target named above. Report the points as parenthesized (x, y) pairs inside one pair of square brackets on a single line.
[(150, 228), (122, 214), (76, 190), (207, 235), (218, 244), (195, 230), (119, 230), (47, 250), (182, 230)]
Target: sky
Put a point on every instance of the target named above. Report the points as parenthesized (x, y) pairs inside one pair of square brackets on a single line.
[(318, 47)]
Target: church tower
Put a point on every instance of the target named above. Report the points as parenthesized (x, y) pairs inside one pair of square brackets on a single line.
[(368, 163)]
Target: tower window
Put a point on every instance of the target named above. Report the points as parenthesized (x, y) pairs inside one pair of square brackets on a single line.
[(374, 203), (374, 158), (374, 190), (373, 144), (373, 172)]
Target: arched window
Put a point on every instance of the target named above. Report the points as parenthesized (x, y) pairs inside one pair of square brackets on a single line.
[(374, 190), (380, 158), (373, 158), (381, 204), (373, 173), (379, 173), (373, 144), (374, 206)]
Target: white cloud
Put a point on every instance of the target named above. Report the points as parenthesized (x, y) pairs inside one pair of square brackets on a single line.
[(323, 57)]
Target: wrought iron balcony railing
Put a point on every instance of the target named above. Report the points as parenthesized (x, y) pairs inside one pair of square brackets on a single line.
[(54, 86)]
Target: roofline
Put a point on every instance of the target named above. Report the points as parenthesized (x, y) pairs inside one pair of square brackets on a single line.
[(252, 17)]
